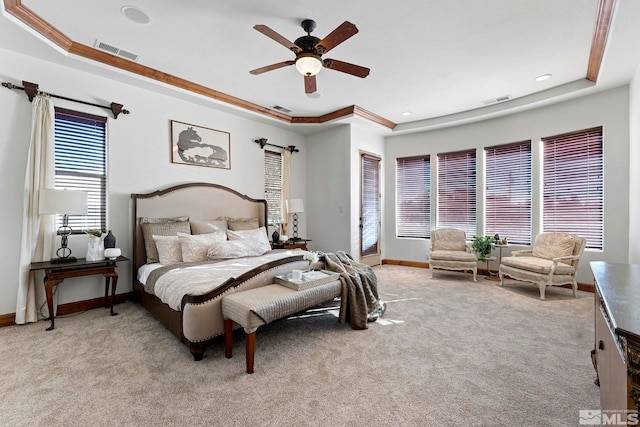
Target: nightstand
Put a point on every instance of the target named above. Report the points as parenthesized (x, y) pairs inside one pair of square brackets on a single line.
[(291, 244)]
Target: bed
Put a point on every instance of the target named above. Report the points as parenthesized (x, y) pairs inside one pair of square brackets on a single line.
[(197, 319)]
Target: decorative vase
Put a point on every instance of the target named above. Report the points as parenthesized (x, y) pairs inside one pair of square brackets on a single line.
[(95, 249), (109, 240), (275, 236)]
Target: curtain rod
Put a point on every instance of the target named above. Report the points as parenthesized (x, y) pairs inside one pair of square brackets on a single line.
[(263, 142), (31, 89)]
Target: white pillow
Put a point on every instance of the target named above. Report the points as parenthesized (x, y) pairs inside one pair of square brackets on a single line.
[(258, 234), (235, 249), (169, 249), (194, 247)]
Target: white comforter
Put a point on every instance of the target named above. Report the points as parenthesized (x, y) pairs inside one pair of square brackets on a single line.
[(198, 280)]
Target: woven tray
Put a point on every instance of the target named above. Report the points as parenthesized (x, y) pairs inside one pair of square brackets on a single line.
[(319, 278)]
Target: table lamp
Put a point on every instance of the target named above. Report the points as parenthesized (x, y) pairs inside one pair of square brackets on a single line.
[(66, 202), (295, 206)]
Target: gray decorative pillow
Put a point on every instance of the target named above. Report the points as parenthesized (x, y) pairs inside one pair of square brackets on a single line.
[(199, 226), (161, 227), (169, 249), (194, 247), (236, 224)]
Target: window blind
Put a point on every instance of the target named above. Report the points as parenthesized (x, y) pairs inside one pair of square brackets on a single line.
[(573, 185), (370, 220), (81, 164), (273, 185), (457, 191), (508, 191), (413, 197)]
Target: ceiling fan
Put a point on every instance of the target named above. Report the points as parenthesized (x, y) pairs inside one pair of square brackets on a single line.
[(309, 50)]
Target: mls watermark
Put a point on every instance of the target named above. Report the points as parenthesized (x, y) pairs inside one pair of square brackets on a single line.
[(597, 417)]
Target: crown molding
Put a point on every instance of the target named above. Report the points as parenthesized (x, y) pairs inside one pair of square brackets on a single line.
[(35, 22)]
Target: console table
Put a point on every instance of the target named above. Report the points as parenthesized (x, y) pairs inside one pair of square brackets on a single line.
[(617, 334), (55, 273)]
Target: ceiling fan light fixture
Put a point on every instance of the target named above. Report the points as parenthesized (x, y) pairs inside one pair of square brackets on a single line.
[(308, 64)]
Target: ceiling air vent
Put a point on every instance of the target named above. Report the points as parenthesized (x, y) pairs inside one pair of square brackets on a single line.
[(281, 109), (115, 50), (496, 100)]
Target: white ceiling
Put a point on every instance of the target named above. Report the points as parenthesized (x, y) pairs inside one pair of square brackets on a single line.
[(441, 60)]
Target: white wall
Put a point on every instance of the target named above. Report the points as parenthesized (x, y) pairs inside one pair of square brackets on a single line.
[(608, 109), (139, 158), (634, 170), (328, 207)]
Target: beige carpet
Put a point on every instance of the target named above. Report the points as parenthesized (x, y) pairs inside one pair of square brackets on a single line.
[(448, 352)]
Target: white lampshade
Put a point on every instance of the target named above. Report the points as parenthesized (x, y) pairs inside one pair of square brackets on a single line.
[(69, 202), (308, 64), (295, 206)]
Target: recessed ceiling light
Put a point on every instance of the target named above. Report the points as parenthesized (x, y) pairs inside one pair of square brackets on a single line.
[(406, 113), (543, 77), (136, 15)]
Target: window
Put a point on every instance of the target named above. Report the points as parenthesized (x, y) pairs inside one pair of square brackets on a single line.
[(273, 185), (413, 193), (80, 162), (457, 191), (573, 185), (508, 194)]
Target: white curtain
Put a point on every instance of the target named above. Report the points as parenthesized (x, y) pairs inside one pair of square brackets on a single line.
[(38, 232), (286, 188)]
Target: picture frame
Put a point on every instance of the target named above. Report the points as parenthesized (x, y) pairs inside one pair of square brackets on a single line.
[(200, 146)]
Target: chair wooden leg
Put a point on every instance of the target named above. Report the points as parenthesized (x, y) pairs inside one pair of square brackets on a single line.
[(574, 286), (250, 347), (543, 287), (228, 338), (501, 275)]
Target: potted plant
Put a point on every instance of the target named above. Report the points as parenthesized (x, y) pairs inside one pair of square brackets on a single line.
[(482, 245)]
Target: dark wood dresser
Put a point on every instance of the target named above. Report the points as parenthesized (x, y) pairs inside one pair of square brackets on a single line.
[(617, 334)]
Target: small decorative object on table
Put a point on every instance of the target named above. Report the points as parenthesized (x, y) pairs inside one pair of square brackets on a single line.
[(95, 248), (109, 240), (312, 257), (112, 253)]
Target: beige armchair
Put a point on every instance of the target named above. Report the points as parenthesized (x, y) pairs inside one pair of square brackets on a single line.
[(449, 251), (552, 261)]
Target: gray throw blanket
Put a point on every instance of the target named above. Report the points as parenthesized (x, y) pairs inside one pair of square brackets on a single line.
[(359, 301)]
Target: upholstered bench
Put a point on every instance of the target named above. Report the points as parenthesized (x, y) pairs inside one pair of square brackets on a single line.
[(260, 306)]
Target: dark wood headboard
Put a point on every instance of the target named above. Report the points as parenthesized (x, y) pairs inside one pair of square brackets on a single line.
[(198, 200)]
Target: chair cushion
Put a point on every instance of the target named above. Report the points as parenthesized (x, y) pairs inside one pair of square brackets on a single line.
[(537, 265), (553, 245), (453, 256)]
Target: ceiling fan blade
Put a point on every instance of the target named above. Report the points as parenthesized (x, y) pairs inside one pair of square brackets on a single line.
[(337, 36), (271, 67), (346, 67), (277, 37), (310, 84)]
